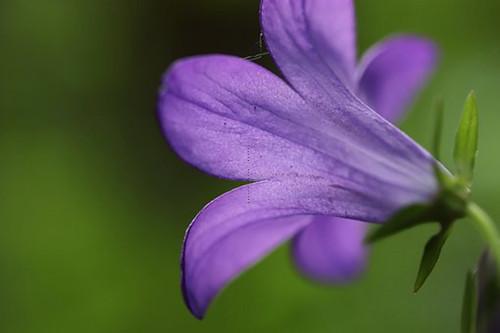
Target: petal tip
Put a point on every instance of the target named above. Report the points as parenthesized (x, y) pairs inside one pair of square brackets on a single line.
[(187, 294), (197, 313)]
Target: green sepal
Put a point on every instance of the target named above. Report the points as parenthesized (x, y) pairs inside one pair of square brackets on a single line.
[(446, 208), (466, 141), (470, 304), (404, 219), (431, 254)]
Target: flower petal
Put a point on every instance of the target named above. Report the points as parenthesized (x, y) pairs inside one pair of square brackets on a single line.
[(234, 119), (331, 249), (393, 71), (312, 41), (240, 227)]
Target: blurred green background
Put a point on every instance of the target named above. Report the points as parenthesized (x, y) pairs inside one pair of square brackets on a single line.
[(93, 203)]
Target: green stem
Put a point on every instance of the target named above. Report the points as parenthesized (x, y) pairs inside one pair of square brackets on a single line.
[(488, 228)]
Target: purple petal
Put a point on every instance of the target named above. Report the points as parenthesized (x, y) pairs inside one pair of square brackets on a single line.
[(291, 31), (331, 250), (237, 229), (235, 119), (312, 39), (393, 71)]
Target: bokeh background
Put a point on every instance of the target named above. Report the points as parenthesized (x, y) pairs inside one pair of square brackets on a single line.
[(94, 204)]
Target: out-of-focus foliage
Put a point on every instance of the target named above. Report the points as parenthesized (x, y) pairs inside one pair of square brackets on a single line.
[(93, 204)]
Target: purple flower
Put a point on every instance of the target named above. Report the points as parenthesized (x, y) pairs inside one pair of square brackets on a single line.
[(319, 158)]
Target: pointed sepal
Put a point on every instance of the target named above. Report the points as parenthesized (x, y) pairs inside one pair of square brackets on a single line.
[(466, 141), (402, 220), (430, 257)]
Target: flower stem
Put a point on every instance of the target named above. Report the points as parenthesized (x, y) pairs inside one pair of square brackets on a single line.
[(488, 228)]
